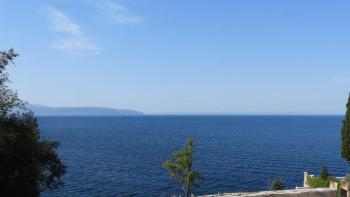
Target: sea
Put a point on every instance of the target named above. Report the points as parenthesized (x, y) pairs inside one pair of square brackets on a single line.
[(123, 156)]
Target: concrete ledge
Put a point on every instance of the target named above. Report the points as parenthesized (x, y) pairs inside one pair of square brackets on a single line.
[(319, 192)]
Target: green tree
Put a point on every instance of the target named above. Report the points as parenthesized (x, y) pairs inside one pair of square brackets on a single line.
[(8, 97), (324, 173), (345, 134), (29, 164), (180, 167), (277, 184)]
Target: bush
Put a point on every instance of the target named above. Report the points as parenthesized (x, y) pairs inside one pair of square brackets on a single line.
[(317, 182), (277, 184)]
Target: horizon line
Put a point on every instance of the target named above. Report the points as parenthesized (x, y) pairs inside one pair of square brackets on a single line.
[(239, 114)]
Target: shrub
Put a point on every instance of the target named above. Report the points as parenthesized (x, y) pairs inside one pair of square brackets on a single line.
[(317, 182), (277, 184)]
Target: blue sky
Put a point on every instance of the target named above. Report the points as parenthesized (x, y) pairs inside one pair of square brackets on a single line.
[(199, 56)]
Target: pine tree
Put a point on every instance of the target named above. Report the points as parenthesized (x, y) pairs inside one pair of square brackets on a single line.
[(180, 167), (324, 173), (345, 134)]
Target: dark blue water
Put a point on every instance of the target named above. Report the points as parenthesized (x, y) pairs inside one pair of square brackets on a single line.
[(122, 156)]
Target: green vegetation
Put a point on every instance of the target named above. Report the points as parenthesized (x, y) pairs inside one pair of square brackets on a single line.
[(277, 184), (320, 181), (324, 173), (180, 167), (345, 134), (28, 164), (8, 97), (317, 182)]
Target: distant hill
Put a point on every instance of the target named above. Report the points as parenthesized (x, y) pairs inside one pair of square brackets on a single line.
[(41, 110)]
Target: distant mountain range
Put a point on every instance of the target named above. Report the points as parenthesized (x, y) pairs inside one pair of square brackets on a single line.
[(41, 110)]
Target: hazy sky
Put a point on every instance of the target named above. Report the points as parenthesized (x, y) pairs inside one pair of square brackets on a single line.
[(262, 56)]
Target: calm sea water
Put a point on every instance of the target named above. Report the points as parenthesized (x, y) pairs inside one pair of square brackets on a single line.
[(122, 156)]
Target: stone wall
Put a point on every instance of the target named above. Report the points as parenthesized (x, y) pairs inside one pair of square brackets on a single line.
[(319, 192)]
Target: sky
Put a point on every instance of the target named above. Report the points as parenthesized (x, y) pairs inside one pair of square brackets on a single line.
[(198, 56)]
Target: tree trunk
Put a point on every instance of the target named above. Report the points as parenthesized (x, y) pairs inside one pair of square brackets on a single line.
[(187, 191)]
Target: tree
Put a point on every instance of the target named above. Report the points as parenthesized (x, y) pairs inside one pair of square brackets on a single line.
[(29, 164), (324, 173), (345, 134), (180, 167), (277, 184), (8, 97)]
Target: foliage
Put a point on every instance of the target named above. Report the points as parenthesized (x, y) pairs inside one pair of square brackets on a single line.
[(339, 190), (317, 182), (8, 97), (28, 164), (180, 167), (324, 175), (345, 134), (277, 184)]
